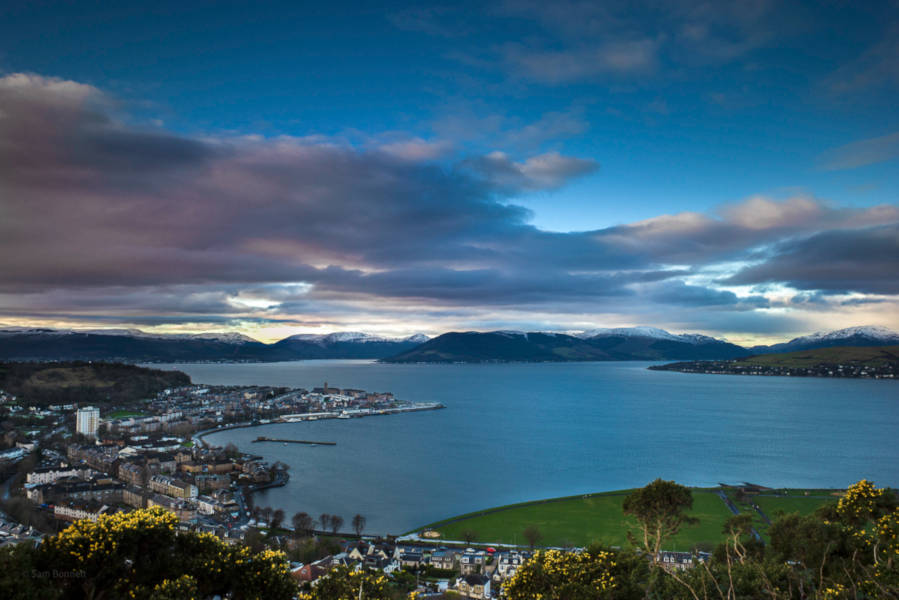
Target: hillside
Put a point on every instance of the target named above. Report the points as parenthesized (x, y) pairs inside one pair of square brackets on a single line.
[(864, 336), (509, 346), (880, 362), (876, 356), (79, 382), (137, 346)]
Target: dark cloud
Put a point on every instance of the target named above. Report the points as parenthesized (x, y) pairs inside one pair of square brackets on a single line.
[(680, 293), (546, 171), (861, 260)]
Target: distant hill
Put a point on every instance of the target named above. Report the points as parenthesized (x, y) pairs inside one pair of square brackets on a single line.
[(835, 361), (867, 336), (96, 383), (622, 343), (137, 346), (507, 346)]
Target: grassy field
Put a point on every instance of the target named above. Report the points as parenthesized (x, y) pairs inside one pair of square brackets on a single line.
[(794, 501), (582, 520), (803, 505), (122, 414)]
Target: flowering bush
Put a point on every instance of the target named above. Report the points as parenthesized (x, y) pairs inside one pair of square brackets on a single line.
[(141, 555), (342, 583), (557, 575)]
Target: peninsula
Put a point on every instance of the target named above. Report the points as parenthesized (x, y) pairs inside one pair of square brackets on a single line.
[(853, 362)]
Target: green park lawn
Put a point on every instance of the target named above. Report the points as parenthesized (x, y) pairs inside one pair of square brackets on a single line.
[(122, 414), (804, 505), (582, 520)]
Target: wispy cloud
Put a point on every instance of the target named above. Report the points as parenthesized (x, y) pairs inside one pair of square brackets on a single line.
[(863, 152)]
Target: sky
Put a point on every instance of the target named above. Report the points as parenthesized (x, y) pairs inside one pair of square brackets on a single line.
[(288, 167)]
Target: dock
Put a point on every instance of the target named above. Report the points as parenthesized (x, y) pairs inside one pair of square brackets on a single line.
[(262, 438)]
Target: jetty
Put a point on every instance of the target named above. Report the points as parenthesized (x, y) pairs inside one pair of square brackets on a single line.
[(263, 438)]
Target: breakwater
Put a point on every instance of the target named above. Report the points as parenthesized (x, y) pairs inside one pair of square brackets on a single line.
[(262, 438)]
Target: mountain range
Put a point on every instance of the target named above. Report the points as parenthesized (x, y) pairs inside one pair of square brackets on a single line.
[(132, 345), (631, 343)]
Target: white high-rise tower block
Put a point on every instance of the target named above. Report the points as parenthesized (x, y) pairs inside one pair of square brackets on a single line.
[(88, 420)]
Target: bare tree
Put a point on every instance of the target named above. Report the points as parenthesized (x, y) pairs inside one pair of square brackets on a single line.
[(302, 524), (231, 450), (277, 518), (469, 535), (324, 521), (336, 523), (359, 524), (267, 514), (532, 535)]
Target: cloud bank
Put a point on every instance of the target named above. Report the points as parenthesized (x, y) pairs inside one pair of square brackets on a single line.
[(104, 219)]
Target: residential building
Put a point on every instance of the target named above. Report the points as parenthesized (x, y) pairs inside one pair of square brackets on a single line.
[(87, 421), (474, 585), (74, 511), (172, 487)]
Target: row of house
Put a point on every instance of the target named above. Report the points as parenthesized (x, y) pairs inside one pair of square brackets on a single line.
[(480, 573)]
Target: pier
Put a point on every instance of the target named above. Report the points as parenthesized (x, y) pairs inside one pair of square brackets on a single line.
[(263, 438)]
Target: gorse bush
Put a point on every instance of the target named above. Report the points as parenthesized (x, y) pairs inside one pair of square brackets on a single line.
[(140, 555)]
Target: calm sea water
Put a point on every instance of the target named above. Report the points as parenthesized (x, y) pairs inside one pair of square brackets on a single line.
[(517, 432)]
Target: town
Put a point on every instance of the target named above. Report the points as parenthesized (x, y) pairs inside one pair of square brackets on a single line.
[(66, 462), (886, 370)]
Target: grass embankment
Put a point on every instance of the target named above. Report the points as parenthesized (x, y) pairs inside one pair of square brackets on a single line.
[(781, 501), (870, 356), (582, 520)]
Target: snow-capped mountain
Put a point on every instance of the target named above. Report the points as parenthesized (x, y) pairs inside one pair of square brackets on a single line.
[(346, 344), (140, 346), (542, 346), (870, 331), (354, 337), (868, 335), (221, 336), (417, 338), (647, 332)]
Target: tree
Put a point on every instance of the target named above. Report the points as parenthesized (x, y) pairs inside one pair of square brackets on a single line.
[(736, 529), (532, 535), (277, 518), (324, 521), (267, 514), (336, 523), (231, 451), (660, 509), (469, 535), (302, 524), (359, 524)]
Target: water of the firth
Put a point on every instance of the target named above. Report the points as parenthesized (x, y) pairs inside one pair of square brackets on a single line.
[(516, 432)]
